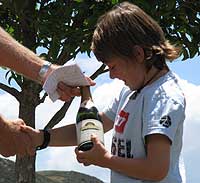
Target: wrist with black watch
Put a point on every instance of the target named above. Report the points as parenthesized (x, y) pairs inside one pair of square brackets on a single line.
[(46, 139)]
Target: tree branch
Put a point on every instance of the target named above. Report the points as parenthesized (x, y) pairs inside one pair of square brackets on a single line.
[(59, 115), (99, 71), (11, 91), (43, 98), (64, 55)]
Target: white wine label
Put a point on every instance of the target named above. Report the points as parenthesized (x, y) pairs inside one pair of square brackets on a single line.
[(86, 128)]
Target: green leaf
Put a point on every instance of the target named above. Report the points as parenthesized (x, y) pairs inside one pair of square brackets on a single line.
[(115, 1), (79, 1)]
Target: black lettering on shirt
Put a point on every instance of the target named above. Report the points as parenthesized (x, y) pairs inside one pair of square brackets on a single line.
[(114, 146), (128, 149), (121, 147)]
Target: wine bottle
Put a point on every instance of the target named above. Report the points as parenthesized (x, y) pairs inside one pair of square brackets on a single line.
[(88, 121)]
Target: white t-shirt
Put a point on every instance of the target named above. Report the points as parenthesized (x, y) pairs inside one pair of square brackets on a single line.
[(158, 109)]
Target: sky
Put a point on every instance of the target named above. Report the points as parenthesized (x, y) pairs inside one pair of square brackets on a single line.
[(63, 158)]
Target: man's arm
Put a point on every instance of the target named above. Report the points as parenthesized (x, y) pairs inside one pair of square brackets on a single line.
[(18, 58)]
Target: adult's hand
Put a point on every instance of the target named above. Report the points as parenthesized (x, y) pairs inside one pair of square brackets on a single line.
[(67, 92), (12, 140), (37, 136)]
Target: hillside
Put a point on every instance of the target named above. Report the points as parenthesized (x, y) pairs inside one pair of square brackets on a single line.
[(68, 177), (7, 168)]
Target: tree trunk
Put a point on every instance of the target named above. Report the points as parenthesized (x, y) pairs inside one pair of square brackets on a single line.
[(25, 166), (25, 169)]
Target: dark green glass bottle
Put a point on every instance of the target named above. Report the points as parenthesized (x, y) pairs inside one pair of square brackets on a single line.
[(88, 121)]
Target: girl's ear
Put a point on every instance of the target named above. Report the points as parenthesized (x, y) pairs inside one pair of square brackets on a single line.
[(138, 53)]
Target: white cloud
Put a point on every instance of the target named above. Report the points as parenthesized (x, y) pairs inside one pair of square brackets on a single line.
[(9, 106), (104, 93), (191, 145), (88, 65), (192, 94)]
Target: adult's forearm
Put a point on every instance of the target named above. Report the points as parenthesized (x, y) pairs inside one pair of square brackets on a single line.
[(17, 57), (2, 125)]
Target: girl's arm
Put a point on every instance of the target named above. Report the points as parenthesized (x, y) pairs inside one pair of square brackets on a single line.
[(62, 136), (154, 167)]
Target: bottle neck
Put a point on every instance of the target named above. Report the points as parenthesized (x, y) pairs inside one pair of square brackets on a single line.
[(85, 93)]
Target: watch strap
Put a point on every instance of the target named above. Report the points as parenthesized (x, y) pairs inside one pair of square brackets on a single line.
[(46, 140)]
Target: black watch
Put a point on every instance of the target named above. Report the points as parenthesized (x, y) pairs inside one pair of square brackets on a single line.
[(46, 140)]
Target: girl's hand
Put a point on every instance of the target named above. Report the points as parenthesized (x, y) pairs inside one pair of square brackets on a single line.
[(98, 155)]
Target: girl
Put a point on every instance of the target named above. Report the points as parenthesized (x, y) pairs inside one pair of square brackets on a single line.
[(147, 118)]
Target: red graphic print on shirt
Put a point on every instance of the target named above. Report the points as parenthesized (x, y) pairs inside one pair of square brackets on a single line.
[(121, 121)]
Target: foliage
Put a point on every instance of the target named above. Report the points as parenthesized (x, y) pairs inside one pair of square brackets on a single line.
[(64, 28), (67, 26), (180, 20)]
